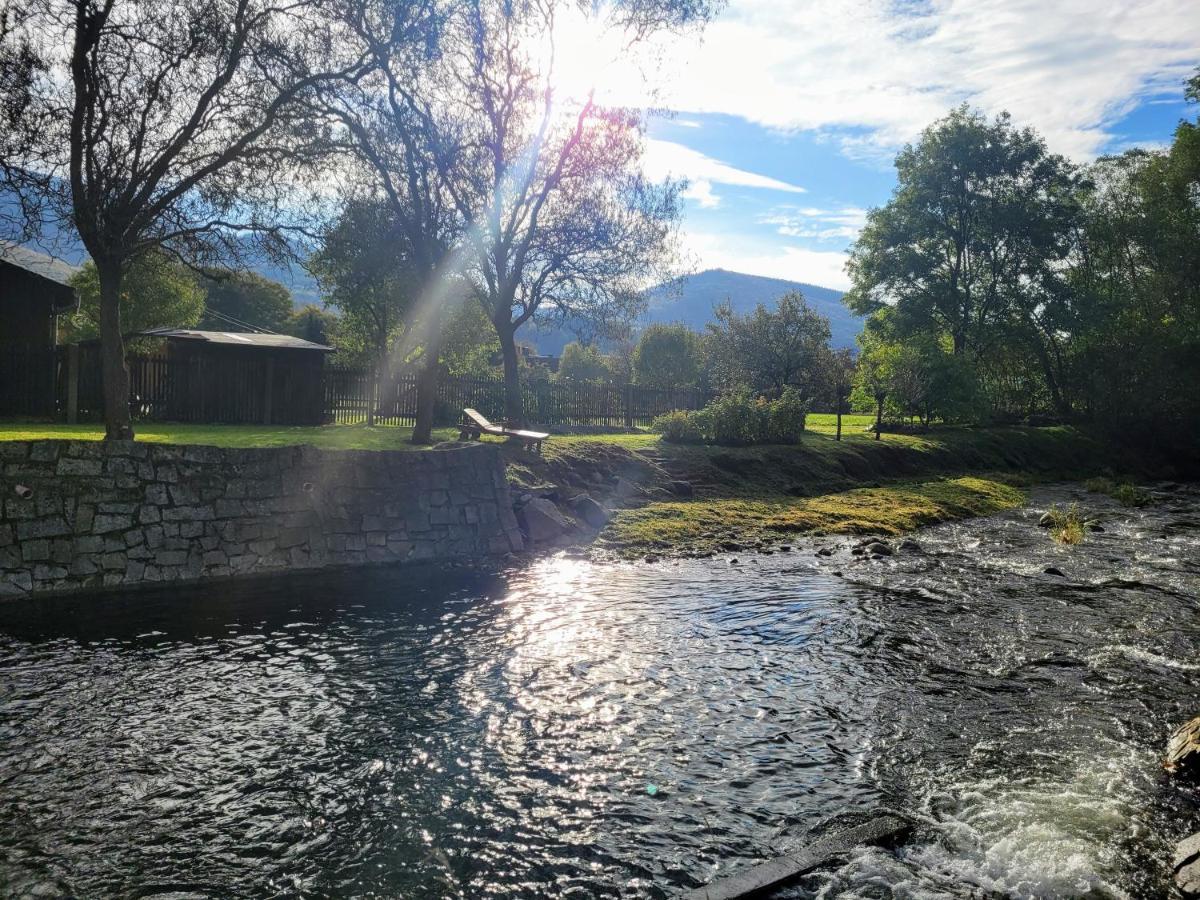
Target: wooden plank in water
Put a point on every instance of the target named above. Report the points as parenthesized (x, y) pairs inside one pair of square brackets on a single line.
[(775, 873)]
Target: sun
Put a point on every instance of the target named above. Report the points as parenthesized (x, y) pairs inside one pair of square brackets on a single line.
[(587, 54)]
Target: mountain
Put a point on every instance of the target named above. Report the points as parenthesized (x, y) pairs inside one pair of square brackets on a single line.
[(691, 300)]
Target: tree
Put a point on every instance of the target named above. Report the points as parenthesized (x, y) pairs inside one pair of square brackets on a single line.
[(156, 292), (1135, 274), (972, 243), (768, 350), (362, 272), (562, 217), (312, 323), (234, 300), (177, 125), (837, 368), (580, 362), (668, 357)]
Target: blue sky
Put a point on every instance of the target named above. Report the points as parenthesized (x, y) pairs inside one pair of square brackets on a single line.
[(787, 114)]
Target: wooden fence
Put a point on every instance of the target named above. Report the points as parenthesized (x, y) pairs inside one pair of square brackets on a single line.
[(246, 390), (351, 393)]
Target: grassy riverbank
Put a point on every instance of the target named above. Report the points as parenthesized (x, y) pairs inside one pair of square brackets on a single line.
[(745, 496), (687, 499)]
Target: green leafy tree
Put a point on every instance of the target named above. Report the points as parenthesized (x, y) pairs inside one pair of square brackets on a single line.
[(768, 350), (469, 344), (580, 362), (668, 357), (312, 323), (363, 273), (156, 292), (244, 297), (837, 377), (1136, 278), (972, 243)]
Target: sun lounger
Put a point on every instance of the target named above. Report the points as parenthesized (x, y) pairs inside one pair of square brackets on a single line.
[(475, 424)]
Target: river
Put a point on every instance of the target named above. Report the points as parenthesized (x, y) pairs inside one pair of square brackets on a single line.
[(579, 729)]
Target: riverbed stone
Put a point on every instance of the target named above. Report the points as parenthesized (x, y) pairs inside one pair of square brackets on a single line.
[(541, 521), (78, 514), (1186, 866), (590, 511)]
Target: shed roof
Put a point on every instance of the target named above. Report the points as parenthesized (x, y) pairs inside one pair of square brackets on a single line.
[(38, 263), (237, 339)]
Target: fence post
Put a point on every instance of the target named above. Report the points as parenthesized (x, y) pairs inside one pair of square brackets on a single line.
[(72, 384), (628, 405), (267, 388)]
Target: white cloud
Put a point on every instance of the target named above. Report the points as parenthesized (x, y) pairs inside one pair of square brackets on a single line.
[(825, 268), (700, 191), (842, 224), (885, 70), (666, 159)]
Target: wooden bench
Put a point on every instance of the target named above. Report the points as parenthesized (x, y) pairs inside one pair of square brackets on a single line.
[(475, 424)]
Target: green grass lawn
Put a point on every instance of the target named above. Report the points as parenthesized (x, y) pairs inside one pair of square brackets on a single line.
[(826, 423), (330, 437)]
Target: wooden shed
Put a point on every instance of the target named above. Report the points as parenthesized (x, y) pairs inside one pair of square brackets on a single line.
[(230, 377), (35, 289)]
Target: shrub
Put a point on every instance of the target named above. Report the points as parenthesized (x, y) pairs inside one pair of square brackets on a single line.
[(679, 427), (734, 420), (786, 418), (738, 419)]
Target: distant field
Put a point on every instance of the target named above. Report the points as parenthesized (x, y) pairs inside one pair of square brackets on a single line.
[(826, 423)]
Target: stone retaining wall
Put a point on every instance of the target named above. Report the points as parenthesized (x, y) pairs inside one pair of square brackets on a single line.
[(78, 514)]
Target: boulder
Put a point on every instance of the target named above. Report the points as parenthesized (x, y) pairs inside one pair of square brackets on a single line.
[(911, 546), (624, 488), (1185, 864), (541, 521), (1183, 750), (590, 511), (878, 548), (682, 488)]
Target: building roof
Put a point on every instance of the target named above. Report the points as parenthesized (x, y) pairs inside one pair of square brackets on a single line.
[(237, 339), (38, 263)]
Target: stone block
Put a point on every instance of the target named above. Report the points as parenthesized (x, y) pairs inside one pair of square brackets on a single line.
[(52, 526), (104, 524), (35, 551), (71, 466)]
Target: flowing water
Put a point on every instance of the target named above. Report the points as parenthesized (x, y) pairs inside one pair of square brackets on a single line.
[(576, 729)]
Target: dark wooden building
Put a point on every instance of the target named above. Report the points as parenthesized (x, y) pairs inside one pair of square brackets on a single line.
[(184, 375), (35, 290)]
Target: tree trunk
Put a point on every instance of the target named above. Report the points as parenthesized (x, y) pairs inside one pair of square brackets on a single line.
[(514, 408), (427, 378), (117, 426), (878, 418)]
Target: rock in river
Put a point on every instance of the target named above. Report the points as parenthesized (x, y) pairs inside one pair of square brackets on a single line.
[(590, 511), (1186, 866), (1046, 520), (541, 520), (1183, 750), (878, 548)]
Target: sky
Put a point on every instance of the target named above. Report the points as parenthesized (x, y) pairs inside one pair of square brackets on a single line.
[(786, 115)]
